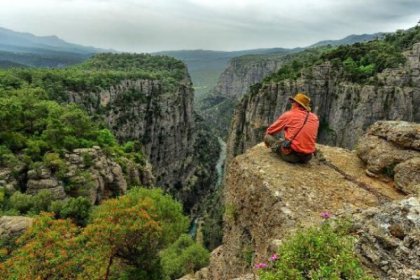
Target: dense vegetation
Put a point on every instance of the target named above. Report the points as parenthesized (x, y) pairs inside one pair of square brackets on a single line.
[(324, 252), (358, 62), (35, 131), (98, 73), (129, 237), (122, 240)]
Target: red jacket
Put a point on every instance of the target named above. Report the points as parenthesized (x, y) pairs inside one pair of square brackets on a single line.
[(291, 121)]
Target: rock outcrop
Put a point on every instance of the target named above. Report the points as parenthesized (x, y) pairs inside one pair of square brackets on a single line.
[(267, 199), (388, 239), (345, 109), (393, 148), (13, 226), (88, 172)]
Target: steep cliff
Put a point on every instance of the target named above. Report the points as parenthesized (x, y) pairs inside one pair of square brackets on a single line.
[(233, 83), (267, 200), (160, 115), (345, 107)]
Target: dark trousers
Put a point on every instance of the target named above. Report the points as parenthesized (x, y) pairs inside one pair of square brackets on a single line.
[(293, 157)]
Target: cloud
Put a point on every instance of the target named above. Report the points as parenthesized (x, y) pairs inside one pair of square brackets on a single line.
[(152, 25)]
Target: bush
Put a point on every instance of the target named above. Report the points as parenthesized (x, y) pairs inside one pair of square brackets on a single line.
[(323, 252), (183, 257), (78, 209), (21, 202), (41, 201)]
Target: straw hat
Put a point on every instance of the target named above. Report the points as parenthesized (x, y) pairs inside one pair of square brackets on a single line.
[(302, 100)]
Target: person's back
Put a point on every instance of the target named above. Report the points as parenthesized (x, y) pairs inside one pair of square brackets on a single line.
[(300, 128)]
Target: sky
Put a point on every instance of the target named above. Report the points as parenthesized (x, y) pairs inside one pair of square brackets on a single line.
[(156, 25)]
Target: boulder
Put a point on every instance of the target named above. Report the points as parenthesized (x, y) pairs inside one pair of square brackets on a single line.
[(392, 148), (13, 226)]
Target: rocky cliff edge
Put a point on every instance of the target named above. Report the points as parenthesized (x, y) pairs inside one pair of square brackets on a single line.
[(267, 199)]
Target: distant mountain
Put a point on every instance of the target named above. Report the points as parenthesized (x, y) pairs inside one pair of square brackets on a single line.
[(349, 40), (10, 64), (41, 51), (205, 66)]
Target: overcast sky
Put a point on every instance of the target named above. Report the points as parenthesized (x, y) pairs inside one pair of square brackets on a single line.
[(154, 25)]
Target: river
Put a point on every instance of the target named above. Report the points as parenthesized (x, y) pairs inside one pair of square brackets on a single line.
[(220, 171)]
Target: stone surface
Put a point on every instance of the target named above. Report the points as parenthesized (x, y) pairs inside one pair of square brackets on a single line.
[(392, 148), (389, 239), (267, 199), (345, 109), (407, 176), (13, 226)]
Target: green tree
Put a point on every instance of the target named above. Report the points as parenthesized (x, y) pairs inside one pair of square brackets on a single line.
[(47, 250), (129, 231), (183, 257)]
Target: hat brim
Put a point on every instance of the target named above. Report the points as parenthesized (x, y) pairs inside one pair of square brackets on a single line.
[(307, 108)]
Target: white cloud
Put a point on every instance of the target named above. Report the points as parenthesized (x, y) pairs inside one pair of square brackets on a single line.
[(150, 25)]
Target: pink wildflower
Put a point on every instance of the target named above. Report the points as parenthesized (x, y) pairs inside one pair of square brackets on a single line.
[(261, 265), (274, 257), (326, 215)]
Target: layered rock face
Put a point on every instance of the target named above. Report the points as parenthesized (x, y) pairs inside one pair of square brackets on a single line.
[(345, 109), (241, 73), (233, 83), (393, 148), (173, 137), (163, 122)]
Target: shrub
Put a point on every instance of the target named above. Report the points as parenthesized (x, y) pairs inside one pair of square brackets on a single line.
[(324, 252), (54, 162), (183, 257), (78, 209), (21, 202), (41, 201)]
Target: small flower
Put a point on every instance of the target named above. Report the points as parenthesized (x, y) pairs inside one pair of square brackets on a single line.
[(274, 257), (261, 265), (326, 215)]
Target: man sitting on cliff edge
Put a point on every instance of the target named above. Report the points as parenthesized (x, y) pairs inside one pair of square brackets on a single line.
[(300, 131)]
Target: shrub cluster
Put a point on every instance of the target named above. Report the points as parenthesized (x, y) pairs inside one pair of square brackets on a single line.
[(122, 240), (324, 252)]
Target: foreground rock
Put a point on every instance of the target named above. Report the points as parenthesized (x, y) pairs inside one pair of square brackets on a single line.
[(267, 199), (389, 239), (393, 148)]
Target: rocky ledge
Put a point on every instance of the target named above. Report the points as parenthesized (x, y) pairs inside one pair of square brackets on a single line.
[(267, 199)]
